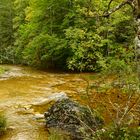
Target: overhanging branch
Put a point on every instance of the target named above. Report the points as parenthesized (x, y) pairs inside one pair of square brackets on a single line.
[(108, 13), (109, 5)]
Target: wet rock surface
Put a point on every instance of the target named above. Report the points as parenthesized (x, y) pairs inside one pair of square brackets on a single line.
[(73, 118), (54, 97)]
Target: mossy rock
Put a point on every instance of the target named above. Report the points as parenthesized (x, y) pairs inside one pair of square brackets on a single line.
[(73, 118)]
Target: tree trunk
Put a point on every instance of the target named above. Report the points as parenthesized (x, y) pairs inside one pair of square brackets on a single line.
[(137, 46), (137, 38)]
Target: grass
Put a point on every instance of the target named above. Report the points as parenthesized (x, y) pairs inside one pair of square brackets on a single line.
[(56, 134), (3, 70), (2, 124)]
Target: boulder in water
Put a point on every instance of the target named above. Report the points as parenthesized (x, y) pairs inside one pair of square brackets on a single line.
[(79, 121)]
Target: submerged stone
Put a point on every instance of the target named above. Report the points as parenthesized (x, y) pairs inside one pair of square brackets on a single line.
[(73, 118), (54, 97)]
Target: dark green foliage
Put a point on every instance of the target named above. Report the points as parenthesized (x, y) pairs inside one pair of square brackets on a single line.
[(6, 31), (46, 51), (124, 32)]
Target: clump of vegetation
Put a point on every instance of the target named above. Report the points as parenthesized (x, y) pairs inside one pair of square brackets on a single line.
[(116, 94), (3, 70), (56, 134), (2, 123), (124, 133)]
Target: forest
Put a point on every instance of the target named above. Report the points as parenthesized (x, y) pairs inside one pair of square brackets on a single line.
[(99, 39), (65, 34)]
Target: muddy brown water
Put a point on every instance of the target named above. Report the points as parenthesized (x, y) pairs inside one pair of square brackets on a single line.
[(20, 87)]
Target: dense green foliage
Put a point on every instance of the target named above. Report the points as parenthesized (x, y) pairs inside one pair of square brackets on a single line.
[(66, 34), (6, 31)]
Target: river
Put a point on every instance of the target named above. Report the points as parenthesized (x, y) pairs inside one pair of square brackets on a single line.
[(23, 91), (21, 87)]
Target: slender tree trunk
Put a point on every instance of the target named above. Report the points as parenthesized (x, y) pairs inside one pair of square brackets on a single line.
[(137, 42), (138, 8), (137, 38)]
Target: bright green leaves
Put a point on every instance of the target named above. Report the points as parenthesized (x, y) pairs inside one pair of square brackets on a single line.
[(86, 50), (70, 34), (77, 34)]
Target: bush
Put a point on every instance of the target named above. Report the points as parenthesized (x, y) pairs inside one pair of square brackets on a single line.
[(86, 50), (1, 70), (2, 124), (46, 51), (120, 87), (123, 133)]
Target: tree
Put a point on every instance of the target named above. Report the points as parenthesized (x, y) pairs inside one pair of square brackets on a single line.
[(69, 34), (6, 31), (135, 5), (42, 33), (19, 7)]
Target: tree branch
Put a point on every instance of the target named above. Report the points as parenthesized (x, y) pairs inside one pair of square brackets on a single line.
[(108, 13), (109, 5), (138, 1)]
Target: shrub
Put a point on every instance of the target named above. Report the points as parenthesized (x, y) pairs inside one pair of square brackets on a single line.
[(1, 70), (123, 133), (2, 123)]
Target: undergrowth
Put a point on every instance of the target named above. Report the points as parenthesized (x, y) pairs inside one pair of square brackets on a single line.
[(122, 82), (2, 124)]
